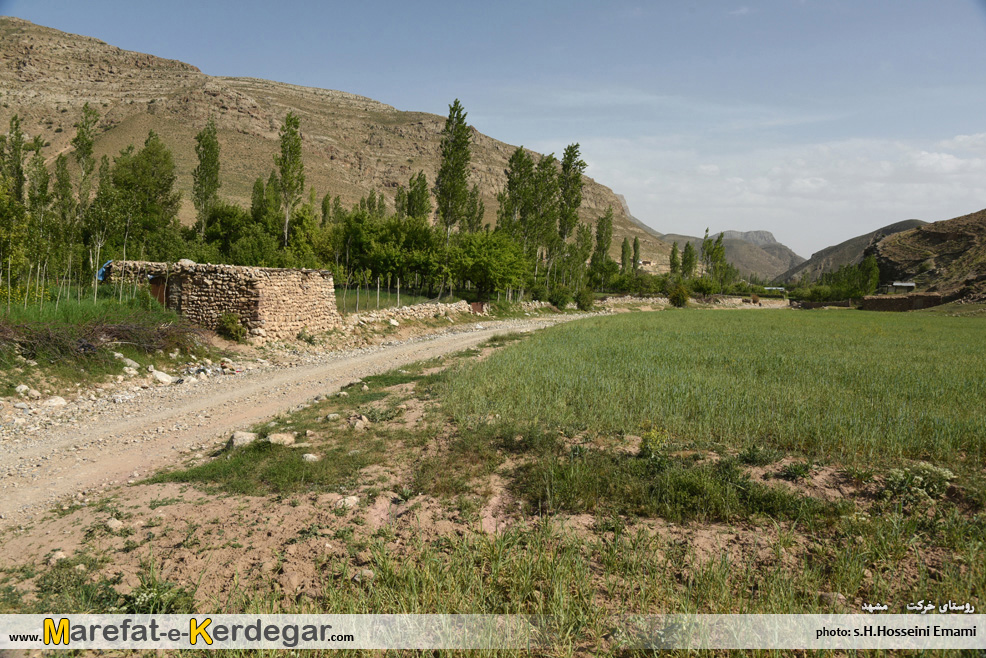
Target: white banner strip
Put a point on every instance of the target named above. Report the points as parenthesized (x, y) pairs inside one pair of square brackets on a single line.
[(879, 631), (264, 632)]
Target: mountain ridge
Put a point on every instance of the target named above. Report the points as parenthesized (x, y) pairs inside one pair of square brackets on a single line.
[(760, 255), (848, 252), (351, 144)]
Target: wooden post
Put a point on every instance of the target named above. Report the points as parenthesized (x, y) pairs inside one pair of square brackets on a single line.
[(398, 292)]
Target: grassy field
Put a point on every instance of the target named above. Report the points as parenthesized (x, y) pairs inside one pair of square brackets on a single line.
[(581, 473), (853, 386)]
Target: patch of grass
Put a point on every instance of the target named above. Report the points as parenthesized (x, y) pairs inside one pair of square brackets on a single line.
[(74, 585), (162, 502), (756, 455), (263, 469), (75, 343), (451, 473), (795, 471), (499, 340), (594, 481)]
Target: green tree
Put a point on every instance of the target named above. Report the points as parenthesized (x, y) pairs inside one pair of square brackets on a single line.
[(290, 169), (12, 159), (675, 260), (602, 267), (415, 200), (626, 256), (491, 261), (451, 186), (205, 177), (516, 199), (636, 253), (689, 260), (472, 220), (570, 191), (83, 145), (147, 201)]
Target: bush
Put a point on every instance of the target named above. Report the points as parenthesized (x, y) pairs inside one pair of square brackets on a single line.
[(703, 286), (560, 296), (539, 292), (584, 299), (678, 296), (755, 299), (917, 484), (230, 327)]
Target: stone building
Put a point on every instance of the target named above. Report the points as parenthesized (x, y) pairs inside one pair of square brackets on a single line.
[(270, 302)]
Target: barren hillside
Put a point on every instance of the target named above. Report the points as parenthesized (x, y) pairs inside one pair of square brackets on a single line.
[(849, 252), (351, 144), (947, 256)]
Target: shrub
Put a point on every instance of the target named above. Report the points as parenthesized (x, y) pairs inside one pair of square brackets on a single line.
[(919, 483), (678, 296), (305, 336), (230, 327), (754, 299), (755, 455), (539, 292), (560, 296), (795, 471), (584, 299)]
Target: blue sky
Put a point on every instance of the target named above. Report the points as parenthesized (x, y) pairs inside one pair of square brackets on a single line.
[(816, 120)]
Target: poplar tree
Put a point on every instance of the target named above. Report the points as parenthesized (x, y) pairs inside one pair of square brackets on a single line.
[(570, 191), (636, 253), (688, 261), (451, 187), (674, 265), (626, 254), (290, 169), (205, 177)]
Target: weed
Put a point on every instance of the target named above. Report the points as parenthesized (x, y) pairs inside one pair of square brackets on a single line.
[(231, 328), (917, 484), (154, 596), (795, 471), (758, 455)]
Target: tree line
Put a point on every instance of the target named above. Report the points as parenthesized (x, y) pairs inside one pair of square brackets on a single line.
[(58, 227)]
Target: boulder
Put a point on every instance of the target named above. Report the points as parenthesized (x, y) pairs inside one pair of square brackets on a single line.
[(162, 377), (240, 439), (282, 438), (54, 402)]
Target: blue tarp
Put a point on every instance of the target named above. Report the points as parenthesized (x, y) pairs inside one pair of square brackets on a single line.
[(101, 274)]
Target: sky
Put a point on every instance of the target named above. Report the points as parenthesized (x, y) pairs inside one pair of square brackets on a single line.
[(817, 120)]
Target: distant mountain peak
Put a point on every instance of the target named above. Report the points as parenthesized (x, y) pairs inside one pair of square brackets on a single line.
[(759, 238)]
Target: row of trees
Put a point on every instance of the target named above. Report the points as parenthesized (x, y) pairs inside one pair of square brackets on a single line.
[(56, 230)]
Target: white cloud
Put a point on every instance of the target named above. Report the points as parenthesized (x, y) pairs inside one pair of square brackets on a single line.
[(976, 142), (742, 11), (810, 196)]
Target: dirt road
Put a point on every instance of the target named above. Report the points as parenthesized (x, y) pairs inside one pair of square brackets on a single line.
[(135, 436)]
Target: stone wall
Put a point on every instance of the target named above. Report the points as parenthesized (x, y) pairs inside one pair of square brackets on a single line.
[(911, 302), (416, 312), (270, 302)]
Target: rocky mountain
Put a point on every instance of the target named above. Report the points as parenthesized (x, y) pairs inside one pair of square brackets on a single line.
[(751, 252), (947, 256), (351, 144), (849, 252)]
